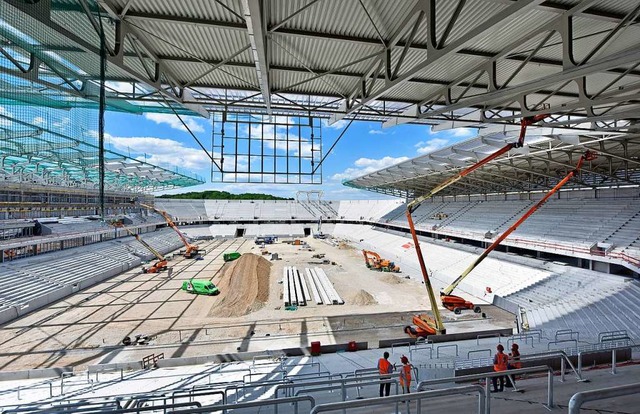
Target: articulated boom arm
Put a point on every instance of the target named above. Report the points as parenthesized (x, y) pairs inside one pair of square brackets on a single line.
[(171, 224), (156, 253), (438, 326), (588, 156), (518, 144)]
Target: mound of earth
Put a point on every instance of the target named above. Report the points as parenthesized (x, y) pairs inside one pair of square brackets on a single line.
[(362, 298), (244, 286), (392, 279)]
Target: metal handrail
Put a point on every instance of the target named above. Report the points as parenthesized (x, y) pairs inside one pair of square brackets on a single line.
[(406, 398), (600, 394), (487, 375), (358, 385), (601, 348), (251, 404), (336, 382)]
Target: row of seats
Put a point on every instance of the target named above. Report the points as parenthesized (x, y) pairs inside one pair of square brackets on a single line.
[(576, 222), (24, 281)]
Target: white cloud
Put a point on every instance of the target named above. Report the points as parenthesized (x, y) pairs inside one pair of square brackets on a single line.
[(337, 125), (162, 152), (377, 132), (425, 147), (366, 166), (38, 120), (173, 121)]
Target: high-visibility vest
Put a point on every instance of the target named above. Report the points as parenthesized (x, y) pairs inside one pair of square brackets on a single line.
[(515, 362), (501, 361), (384, 366), (405, 375)]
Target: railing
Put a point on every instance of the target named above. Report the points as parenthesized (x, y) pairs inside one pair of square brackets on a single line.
[(475, 377), (295, 401), (601, 394), (564, 359), (398, 400)]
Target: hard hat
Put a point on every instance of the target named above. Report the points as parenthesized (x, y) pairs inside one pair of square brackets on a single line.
[(514, 346), (404, 359)]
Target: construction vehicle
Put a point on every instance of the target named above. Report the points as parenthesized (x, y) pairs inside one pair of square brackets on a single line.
[(457, 304), (230, 257), (200, 287), (427, 325), (158, 266), (192, 251), (266, 239), (374, 262)]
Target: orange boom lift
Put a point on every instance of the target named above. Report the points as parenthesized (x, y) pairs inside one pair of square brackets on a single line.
[(192, 250), (161, 264), (456, 303), (425, 324)]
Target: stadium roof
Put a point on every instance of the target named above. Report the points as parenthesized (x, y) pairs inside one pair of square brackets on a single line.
[(548, 155), (448, 63), (432, 61)]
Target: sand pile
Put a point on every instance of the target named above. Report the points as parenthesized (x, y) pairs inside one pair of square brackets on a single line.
[(362, 298), (392, 279), (244, 286)]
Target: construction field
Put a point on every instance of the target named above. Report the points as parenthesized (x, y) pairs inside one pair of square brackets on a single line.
[(87, 328)]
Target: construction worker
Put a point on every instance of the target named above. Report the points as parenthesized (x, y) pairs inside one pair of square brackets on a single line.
[(405, 375), (385, 368), (500, 362), (514, 363)]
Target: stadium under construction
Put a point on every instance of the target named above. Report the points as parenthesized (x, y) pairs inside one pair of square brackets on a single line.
[(113, 299)]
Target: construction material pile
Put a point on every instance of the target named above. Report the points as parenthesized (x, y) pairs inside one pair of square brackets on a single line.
[(392, 279), (363, 298), (244, 286), (298, 290)]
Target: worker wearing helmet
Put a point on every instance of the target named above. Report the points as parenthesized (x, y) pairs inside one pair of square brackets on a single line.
[(385, 369), (405, 375), (514, 363), (500, 362)]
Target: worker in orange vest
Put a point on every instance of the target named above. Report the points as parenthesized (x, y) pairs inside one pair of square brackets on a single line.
[(500, 362), (514, 363), (405, 375), (385, 368)]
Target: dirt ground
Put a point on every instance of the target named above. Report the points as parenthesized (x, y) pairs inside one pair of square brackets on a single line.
[(87, 328)]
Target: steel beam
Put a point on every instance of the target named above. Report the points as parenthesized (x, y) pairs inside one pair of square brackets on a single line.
[(255, 20)]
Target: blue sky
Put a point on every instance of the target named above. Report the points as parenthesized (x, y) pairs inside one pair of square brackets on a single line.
[(161, 139)]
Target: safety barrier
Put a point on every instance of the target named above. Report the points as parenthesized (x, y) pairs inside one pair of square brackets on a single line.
[(295, 401), (475, 377), (398, 400), (446, 346), (338, 383), (604, 347), (580, 398), (478, 351)]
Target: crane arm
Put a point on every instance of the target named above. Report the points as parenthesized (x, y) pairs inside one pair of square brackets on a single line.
[(452, 180), (524, 123), (170, 222), (588, 156), (156, 253)]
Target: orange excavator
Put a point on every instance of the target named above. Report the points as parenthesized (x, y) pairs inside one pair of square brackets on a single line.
[(456, 303), (192, 251), (425, 324), (158, 266), (374, 262)]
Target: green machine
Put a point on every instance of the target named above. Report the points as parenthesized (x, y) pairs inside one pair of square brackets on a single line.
[(200, 287), (230, 257)]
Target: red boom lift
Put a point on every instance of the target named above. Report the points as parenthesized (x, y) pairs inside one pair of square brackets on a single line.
[(192, 250), (456, 303), (158, 266), (427, 325)]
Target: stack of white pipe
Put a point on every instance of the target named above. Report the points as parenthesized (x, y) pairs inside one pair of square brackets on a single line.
[(312, 285), (286, 293), (295, 291), (328, 287)]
